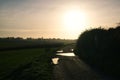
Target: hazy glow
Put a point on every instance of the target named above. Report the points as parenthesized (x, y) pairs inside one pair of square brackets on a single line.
[(74, 20), (55, 18)]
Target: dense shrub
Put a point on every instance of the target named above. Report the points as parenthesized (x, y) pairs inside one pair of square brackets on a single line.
[(100, 49)]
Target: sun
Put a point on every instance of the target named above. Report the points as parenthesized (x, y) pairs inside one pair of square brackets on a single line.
[(74, 20)]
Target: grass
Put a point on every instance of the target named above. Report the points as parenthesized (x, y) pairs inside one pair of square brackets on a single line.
[(26, 64)]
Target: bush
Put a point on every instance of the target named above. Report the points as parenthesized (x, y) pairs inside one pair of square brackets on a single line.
[(100, 49)]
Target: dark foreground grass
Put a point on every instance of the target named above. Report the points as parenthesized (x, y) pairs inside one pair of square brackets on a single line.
[(26, 64)]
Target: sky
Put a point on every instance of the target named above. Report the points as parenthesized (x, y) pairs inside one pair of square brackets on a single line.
[(51, 18)]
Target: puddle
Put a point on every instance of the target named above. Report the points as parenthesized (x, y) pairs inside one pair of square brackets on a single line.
[(59, 51), (65, 54), (72, 50), (55, 60)]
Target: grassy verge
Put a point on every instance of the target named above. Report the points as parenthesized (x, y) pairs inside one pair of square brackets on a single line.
[(26, 64)]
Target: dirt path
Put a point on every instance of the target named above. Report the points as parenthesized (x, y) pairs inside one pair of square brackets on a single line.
[(72, 68)]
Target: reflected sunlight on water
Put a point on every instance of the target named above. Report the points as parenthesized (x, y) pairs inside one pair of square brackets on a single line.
[(66, 54), (55, 60), (60, 51)]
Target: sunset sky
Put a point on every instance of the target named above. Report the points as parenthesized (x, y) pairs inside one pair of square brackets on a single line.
[(56, 18)]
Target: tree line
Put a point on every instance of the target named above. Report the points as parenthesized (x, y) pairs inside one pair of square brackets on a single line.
[(12, 43)]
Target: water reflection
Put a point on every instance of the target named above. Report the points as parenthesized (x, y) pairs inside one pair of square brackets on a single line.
[(60, 51), (55, 60), (72, 50), (66, 54)]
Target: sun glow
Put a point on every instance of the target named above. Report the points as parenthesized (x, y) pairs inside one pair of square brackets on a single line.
[(74, 20)]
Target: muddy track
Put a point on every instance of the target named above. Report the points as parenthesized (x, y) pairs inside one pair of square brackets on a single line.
[(72, 68)]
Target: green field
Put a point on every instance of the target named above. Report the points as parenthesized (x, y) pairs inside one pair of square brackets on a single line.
[(28, 59), (26, 64)]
